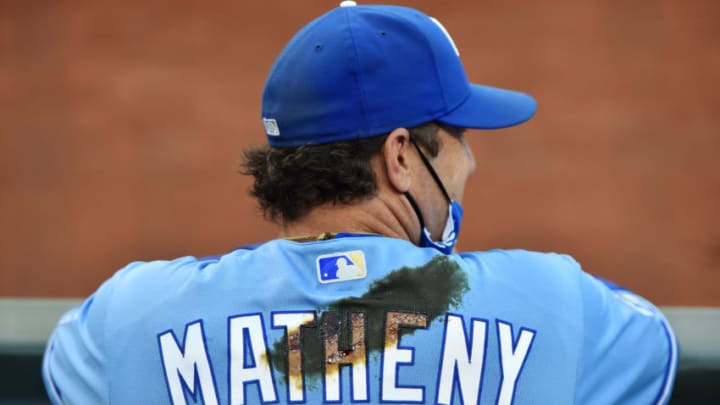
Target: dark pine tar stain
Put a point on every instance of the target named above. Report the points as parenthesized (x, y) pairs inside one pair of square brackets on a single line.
[(431, 290)]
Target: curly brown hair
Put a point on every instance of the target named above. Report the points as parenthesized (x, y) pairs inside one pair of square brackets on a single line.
[(289, 182)]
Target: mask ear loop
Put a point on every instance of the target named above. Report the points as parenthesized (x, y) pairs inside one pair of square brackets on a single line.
[(416, 208), (431, 169), (410, 198)]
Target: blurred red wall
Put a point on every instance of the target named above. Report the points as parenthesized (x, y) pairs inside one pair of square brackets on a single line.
[(121, 126)]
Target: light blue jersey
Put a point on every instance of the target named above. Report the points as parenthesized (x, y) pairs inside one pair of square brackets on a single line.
[(364, 319)]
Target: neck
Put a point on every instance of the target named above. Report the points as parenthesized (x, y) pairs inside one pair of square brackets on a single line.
[(386, 215)]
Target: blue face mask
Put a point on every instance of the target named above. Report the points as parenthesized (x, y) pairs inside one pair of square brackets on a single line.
[(455, 213)]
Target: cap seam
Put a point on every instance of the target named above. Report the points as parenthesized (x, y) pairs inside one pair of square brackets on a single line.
[(432, 52), (356, 76), (459, 104), (281, 62)]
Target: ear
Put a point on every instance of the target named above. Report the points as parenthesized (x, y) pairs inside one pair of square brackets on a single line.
[(395, 155)]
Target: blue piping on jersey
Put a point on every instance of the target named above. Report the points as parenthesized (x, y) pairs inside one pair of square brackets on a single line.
[(611, 285), (667, 383), (253, 246), (671, 366)]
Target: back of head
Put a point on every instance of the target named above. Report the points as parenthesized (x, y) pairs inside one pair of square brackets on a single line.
[(346, 79)]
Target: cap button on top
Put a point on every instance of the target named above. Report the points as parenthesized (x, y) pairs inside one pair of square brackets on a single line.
[(348, 3)]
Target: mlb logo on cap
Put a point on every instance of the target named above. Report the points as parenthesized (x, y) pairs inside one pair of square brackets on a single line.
[(271, 127), (341, 266)]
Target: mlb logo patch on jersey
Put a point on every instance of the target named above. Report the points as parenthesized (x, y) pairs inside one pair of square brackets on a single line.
[(341, 266)]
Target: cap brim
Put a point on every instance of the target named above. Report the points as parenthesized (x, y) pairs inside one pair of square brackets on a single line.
[(491, 108)]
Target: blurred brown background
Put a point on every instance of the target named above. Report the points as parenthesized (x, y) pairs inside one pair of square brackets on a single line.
[(121, 127)]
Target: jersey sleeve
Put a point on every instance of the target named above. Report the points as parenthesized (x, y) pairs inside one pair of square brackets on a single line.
[(629, 353), (74, 370)]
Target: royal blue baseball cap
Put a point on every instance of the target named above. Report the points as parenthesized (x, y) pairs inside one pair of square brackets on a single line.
[(362, 71)]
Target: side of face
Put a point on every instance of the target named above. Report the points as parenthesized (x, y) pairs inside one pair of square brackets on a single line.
[(454, 163), (406, 172)]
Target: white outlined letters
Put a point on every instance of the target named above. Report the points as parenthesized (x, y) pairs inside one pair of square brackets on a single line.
[(468, 360), (291, 322), (512, 358), (184, 366), (255, 369)]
